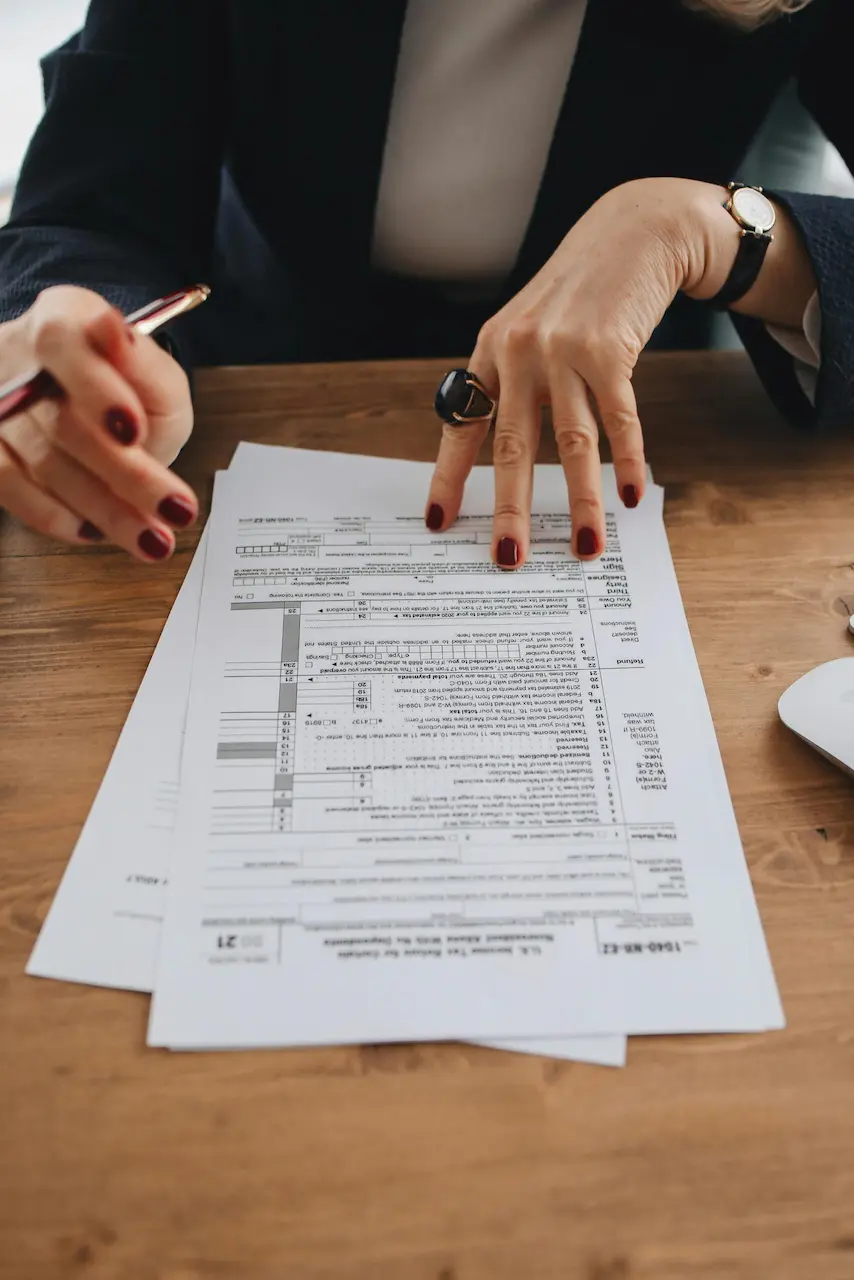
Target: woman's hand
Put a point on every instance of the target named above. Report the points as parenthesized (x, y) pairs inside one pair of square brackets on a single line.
[(95, 464), (571, 339)]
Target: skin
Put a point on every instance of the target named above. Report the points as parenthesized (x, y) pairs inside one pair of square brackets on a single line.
[(572, 337), (569, 339), (60, 466)]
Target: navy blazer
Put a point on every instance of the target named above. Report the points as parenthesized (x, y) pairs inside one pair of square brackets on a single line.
[(241, 141)]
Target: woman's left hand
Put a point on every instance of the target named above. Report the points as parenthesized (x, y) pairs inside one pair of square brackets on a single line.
[(571, 339)]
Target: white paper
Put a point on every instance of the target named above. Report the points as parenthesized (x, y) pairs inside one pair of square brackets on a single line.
[(104, 924), (553, 860)]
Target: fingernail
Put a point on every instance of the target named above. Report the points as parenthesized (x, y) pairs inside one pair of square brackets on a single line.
[(121, 426), (630, 495), (90, 532), (178, 511), (587, 542), (154, 543), (435, 516), (507, 553), (131, 335)]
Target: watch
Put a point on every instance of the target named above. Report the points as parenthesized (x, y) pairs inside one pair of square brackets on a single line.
[(755, 214)]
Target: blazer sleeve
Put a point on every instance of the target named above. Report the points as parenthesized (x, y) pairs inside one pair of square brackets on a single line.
[(826, 226), (119, 188)]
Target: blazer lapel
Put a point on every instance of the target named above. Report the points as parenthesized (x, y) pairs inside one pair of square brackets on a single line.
[(333, 62), (348, 54), (656, 90)]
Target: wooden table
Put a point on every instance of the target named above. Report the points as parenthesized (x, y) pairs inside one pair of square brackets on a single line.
[(708, 1157)]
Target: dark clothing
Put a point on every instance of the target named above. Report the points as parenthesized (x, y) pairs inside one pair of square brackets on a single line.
[(240, 142)]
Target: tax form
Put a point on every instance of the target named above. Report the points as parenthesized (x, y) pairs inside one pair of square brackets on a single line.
[(424, 799), (103, 927)]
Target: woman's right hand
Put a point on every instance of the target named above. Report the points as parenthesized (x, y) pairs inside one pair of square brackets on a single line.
[(95, 464)]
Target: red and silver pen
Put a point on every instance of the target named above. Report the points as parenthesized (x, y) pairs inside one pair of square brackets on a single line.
[(22, 393)]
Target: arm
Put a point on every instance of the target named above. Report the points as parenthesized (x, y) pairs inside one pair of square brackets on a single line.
[(772, 315), (574, 334), (118, 191), (820, 232), (118, 194)]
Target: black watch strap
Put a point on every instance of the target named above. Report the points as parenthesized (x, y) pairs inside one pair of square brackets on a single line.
[(752, 248)]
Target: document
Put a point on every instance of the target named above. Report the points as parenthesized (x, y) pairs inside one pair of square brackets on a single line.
[(103, 927), (424, 799)]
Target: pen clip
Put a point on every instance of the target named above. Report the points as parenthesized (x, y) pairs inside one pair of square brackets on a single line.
[(156, 314)]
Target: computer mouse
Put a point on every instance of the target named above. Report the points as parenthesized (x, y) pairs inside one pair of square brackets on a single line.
[(820, 709)]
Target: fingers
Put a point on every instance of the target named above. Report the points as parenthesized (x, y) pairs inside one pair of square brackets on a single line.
[(109, 336), (106, 435), (164, 389), (66, 321), (80, 338), (517, 435), (530, 361), (157, 379), (457, 455), (101, 423), (95, 507), (97, 455), (40, 510), (49, 437), (618, 410), (577, 436), (102, 398), (459, 448)]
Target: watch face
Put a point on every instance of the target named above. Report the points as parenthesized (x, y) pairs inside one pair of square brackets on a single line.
[(753, 209)]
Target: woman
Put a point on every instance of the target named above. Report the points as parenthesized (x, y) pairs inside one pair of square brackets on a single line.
[(398, 180)]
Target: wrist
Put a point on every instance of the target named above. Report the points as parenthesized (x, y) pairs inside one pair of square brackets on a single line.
[(667, 208), (716, 236), (785, 283)]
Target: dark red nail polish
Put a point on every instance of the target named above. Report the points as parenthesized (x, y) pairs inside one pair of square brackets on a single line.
[(434, 518), (121, 426), (507, 553), (630, 496), (90, 532), (154, 543), (178, 511), (587, 542)]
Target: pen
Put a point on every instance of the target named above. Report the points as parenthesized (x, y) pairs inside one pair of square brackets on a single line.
[(24, 392)]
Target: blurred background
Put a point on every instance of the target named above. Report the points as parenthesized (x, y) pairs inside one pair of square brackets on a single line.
[(28, 29), (791, 151)]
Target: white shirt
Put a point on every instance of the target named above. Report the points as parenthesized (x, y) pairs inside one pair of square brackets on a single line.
[(477, 94)]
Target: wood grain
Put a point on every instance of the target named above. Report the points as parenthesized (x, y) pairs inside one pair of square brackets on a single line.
[(707, 1158)]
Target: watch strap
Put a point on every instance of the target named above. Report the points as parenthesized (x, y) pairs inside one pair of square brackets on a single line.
[(752, 248)]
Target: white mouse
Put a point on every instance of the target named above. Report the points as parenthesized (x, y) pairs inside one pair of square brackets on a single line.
[(820, 709)]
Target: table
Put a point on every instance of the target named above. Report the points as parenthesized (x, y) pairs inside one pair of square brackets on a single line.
[(720, 1157)]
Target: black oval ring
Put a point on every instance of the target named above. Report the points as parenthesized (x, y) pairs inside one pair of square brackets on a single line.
[(462, 398)]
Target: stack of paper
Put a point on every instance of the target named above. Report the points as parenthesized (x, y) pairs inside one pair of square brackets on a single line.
[(374, 789)]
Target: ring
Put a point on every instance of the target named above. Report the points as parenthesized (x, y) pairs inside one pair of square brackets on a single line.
[(462, 398)]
